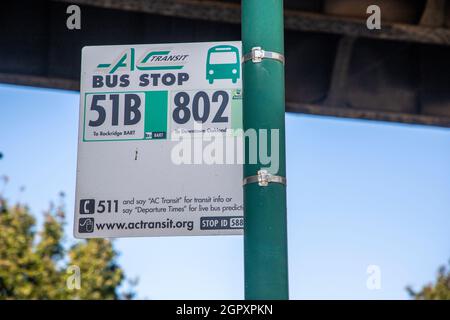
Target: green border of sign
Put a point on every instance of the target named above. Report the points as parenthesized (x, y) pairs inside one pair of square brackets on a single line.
[(235, 112)]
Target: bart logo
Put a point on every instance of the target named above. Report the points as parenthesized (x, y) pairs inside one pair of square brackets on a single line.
[(153, 60)]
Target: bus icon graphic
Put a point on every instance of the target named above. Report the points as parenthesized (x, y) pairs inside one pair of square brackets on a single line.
[(223, 62)]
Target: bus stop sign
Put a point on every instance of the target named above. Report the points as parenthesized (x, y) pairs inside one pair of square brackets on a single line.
[(159, 141)]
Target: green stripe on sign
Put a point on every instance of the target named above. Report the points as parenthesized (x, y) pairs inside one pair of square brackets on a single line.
[(156, 114)]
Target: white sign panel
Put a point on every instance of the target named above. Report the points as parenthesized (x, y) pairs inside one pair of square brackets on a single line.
[(146, 166)]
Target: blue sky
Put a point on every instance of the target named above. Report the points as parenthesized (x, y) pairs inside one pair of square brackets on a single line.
[(360, 193)]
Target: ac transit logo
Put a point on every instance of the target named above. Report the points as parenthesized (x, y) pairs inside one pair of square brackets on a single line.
[(86, 225), (153, 60)]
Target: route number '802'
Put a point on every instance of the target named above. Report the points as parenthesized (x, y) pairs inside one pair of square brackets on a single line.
[(200, 107), (131, 115)]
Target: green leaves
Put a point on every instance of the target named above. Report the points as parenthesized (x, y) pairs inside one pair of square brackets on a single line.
[(100, 273), (438, 291), (34, 265)]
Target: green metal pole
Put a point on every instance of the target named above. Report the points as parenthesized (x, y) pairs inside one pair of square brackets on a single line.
[(265, 233)]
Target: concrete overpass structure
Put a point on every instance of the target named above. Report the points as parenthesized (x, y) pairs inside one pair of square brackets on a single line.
[(335, 66)]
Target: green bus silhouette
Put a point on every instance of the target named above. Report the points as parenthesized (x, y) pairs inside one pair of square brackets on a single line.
[(223, 63)]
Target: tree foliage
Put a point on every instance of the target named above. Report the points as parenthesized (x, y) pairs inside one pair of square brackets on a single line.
[(36, 265), (440, 290)]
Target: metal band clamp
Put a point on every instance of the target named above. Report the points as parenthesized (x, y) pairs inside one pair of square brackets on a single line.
[(263, 178), (257, 54)]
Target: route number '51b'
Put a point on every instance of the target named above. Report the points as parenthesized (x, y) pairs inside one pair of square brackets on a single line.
[(131, 115)]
